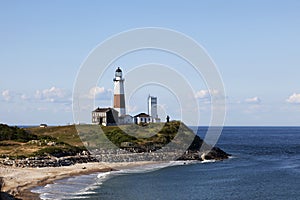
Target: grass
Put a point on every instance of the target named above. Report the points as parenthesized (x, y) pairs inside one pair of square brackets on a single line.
[(16, 149), (66, 134), (16, 142)]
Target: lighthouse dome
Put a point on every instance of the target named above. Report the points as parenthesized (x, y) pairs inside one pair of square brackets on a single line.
[(118, 70), (118, 74)]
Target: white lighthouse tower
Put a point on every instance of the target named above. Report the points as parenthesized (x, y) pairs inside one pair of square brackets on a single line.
[(119, 96), (152, 109), (152, 106)]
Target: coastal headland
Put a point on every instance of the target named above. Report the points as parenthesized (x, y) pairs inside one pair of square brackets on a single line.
[(36, 156)]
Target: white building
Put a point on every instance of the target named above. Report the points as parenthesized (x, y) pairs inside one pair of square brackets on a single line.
[(142, 118), (105, 116), (152, 109)]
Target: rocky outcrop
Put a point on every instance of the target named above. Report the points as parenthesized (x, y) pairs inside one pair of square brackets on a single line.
[(215, 154), (201, 151)]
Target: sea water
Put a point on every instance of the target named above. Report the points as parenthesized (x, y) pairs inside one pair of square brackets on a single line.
[(265, 164)]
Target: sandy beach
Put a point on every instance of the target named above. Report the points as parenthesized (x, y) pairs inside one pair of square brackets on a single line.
[(18, 181)]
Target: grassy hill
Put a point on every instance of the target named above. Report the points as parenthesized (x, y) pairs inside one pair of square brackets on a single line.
[(66, 134), (64, 140), (20, 143), (136, 138)]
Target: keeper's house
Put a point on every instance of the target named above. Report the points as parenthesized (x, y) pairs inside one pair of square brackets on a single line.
[(142, 118), (105, 116)]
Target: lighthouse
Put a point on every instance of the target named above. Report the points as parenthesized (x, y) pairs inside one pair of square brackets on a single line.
[(119, 96)]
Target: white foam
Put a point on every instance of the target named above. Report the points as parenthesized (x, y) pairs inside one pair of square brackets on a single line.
[(103, 175), (77, 197), (153, 167), (79, 186), (208, 161)]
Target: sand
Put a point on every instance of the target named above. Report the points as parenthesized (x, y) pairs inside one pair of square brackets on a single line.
[(18, 181)]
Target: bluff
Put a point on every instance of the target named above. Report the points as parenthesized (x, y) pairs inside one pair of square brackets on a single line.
[(61, 145), (159, 139)]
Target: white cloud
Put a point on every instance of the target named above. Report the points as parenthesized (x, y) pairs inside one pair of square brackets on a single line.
[(24, 97), (206, 94), (99, 93), (253, 100), (294, 98), (53, 94), (7, 96)]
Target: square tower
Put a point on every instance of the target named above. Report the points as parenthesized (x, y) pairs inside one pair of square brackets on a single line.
[(152, 107)]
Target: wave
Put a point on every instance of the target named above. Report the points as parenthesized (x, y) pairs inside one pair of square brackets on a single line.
[(80, 187), (208, 161), (77, 187), (153, 167), (103, 176)]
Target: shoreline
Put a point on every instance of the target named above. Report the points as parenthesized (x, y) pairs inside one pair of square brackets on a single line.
[(19, 181)]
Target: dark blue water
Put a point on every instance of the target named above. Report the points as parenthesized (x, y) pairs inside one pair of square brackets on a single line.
[(265, 165)]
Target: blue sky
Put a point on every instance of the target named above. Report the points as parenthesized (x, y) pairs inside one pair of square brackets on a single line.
[(255, 45)]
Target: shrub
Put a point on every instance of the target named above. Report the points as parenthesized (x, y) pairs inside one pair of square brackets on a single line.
[(59, 151), (117, 136), (15, 133)]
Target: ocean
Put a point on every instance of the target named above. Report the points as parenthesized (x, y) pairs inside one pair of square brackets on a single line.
[(265, 164)]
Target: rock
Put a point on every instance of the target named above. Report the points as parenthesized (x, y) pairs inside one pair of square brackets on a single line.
[(216, 154), (194, 153), (6, 196)]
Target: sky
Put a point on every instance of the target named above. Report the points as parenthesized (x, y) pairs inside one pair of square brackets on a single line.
[(254, 44)]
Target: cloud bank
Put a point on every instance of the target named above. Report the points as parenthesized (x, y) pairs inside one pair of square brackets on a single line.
[(206, 94), (53, 94), (294, 99), (253, 100), (99, 93), (6, 94)]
